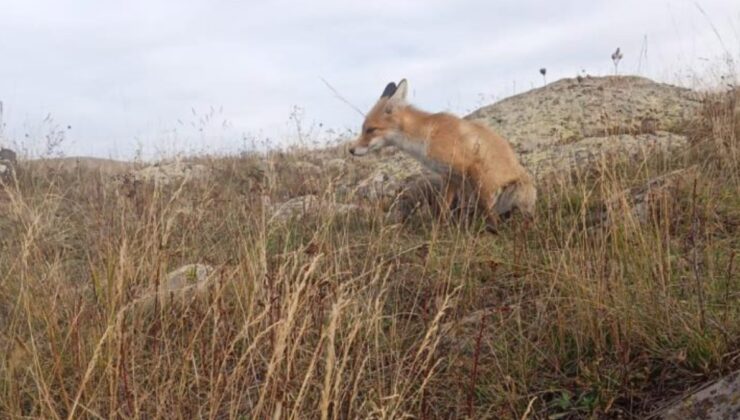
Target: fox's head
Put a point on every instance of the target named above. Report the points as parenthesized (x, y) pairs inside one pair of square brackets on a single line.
[(383, 122)]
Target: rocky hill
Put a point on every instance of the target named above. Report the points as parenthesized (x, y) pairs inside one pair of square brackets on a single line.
[(570, 110), (562, 124)]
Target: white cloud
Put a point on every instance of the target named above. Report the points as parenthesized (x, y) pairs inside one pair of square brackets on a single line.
[(122, 73)]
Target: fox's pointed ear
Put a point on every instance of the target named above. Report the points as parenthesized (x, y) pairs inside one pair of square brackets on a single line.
[(389, 90), (400, 94)]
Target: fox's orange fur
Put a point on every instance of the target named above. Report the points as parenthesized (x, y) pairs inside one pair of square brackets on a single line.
[(457, 149)]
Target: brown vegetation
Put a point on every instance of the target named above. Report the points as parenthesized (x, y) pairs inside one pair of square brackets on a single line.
[(353, 316)]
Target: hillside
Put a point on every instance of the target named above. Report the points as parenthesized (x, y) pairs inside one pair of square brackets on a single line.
[(311, 284)]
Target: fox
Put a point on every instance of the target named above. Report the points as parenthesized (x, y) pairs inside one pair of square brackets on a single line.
[(457, 149)]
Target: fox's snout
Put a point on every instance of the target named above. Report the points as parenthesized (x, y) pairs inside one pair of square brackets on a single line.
[(357, 150)]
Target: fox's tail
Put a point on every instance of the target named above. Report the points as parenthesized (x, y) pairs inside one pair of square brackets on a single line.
[(520, 194)]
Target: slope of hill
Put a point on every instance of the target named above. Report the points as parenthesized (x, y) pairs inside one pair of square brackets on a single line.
[(277, 286)]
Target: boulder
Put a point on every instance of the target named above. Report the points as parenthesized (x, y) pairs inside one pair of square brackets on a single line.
[(8, 155), (187, 282), (574, 122), (562, 160), (306, 169), (388, 179), (306, 205), (187, 276), (162, 174), (570, 110), (8, 162), (642, 201), (716, 400), (335, 166)]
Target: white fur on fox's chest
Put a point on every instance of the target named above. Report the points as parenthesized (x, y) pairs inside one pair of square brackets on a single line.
[(419, 150)]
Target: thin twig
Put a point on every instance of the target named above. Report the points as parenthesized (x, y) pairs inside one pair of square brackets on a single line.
[(695, 257), (342, 98), (474, 375)]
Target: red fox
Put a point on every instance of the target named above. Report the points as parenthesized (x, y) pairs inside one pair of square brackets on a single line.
[(457, 149)]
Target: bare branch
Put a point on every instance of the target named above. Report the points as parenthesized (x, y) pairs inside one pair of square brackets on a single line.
[(341, 98)]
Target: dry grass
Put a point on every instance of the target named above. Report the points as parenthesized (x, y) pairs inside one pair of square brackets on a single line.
[(355, 317)]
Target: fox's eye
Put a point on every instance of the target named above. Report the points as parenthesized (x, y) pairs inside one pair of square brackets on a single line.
[(370, 130)]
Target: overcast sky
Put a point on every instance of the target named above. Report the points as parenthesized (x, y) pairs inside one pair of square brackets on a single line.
[(133, 74)]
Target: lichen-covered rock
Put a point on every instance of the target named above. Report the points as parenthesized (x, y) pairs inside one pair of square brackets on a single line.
[(307, 205), (295, 207), (718, 400), (188, 282), (572, 123), (8, 155), (570, 110), (8, 162), (6, 172), (379, 185), (190, 275), (564, 159), (335, 166), (306, 169), (640, 203), (389, 177), (171, 173)]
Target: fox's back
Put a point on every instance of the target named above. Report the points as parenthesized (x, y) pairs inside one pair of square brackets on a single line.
[(468, 145)]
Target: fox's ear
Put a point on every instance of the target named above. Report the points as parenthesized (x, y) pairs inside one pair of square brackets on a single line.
[(389, 90), (400, 94)]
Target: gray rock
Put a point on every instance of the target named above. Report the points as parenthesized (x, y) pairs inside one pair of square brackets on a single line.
[(6, 171), (336, 166), (717, 400), (162, 174), (570, 124), (388, 179), (293, 208), (306, 169), (640, 202), (568, 111), (8, 156), (8, 162), (190, 275), (562, 160), (187, 282), (307, 205)]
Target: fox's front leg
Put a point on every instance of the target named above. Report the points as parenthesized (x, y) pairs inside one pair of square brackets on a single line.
[(488, 195), (451, 191)]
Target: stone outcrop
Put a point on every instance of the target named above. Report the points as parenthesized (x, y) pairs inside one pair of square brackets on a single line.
[(717, 400), (8, 163), (306, 205), (171, 173), (187, 282), (643, 201), (572, 122)]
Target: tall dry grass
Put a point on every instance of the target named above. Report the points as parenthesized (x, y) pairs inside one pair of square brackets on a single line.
[(356, 317)]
